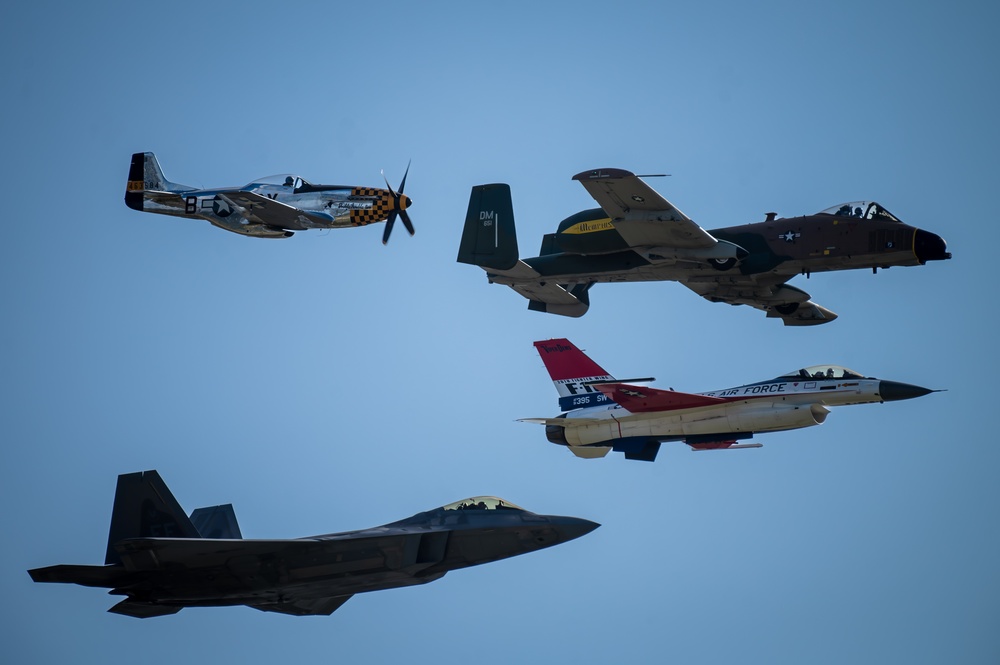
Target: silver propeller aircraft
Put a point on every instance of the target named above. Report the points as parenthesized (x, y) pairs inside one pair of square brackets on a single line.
[(602, 413), (163, 561), (273, 207)]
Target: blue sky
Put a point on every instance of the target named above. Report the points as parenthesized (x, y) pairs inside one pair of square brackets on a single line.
[(327, 383)]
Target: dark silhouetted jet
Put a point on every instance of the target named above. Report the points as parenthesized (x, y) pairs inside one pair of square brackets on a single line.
[(163, 561)]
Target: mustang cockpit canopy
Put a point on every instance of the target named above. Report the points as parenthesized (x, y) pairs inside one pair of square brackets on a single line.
[(860, 210), (482, 503), (822, 372), (292, 182)]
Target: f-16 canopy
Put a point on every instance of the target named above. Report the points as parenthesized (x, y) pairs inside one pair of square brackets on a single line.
[(860, 210), (822, 372)]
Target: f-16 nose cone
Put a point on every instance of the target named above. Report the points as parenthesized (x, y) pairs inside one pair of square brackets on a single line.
[(930, 247), (892, 391)]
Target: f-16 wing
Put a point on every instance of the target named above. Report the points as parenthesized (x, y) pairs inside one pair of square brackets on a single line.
[(779, 299), (640, 399), (260, 209), (640, 215)]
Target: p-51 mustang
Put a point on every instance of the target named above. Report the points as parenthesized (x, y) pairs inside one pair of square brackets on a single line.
[(602, 413), (163, 561), (273, 207), (637, 235)]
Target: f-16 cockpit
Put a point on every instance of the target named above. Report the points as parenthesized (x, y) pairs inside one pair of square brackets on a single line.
[(860, 210), (822, 372), (482, 503)]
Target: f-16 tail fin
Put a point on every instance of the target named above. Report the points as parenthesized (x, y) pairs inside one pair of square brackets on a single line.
[(144, 175), (145, 508), (489, 239), (572, 373)]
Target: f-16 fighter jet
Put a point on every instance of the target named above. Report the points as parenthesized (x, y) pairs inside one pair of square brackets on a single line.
[(273, 207), (602, 413), (637, 235), (163, 561)]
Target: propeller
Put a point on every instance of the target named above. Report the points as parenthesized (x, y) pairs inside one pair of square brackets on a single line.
[(399, 205)]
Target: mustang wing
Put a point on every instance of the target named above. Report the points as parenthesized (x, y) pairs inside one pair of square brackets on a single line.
[(780, 300), (640, 215), (274, 213)]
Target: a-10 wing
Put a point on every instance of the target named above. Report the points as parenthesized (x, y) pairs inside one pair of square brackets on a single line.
[(764, 292), (640, 215)]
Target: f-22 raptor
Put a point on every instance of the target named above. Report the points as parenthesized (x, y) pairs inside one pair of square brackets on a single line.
[(163, 561), (602, 413), (637, 235)]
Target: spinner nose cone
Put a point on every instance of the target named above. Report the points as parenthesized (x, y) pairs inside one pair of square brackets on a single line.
[(892, 391), (405, 202), (930, 247), (573, 527)]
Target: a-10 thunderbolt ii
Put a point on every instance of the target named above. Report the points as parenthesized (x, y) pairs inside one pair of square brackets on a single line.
[(163, 561), (272, 207), (637, 235), (602, 413)]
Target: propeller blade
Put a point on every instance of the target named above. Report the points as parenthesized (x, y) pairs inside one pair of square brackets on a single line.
[(403, 182), (388, 186), (388, 227), (406, 219)]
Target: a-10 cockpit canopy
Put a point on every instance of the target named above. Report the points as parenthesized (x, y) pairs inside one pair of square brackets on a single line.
[(822, 372), (860, 210), (482, 503)]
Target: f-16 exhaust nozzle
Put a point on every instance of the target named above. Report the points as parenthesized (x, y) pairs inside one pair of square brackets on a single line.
[(892, 391), (930, 247)]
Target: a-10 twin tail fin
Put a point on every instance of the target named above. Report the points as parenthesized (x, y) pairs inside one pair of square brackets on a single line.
[(489, 240)]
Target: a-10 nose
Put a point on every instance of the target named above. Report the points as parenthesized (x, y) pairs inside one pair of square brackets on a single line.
[(930, 247)]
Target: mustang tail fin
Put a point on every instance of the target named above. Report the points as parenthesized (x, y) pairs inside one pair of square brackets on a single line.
[(572, 371), (144, 175), (145, 508), (489, 239)]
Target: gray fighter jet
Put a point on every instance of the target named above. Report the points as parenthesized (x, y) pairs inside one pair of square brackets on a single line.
[(163, 561)]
